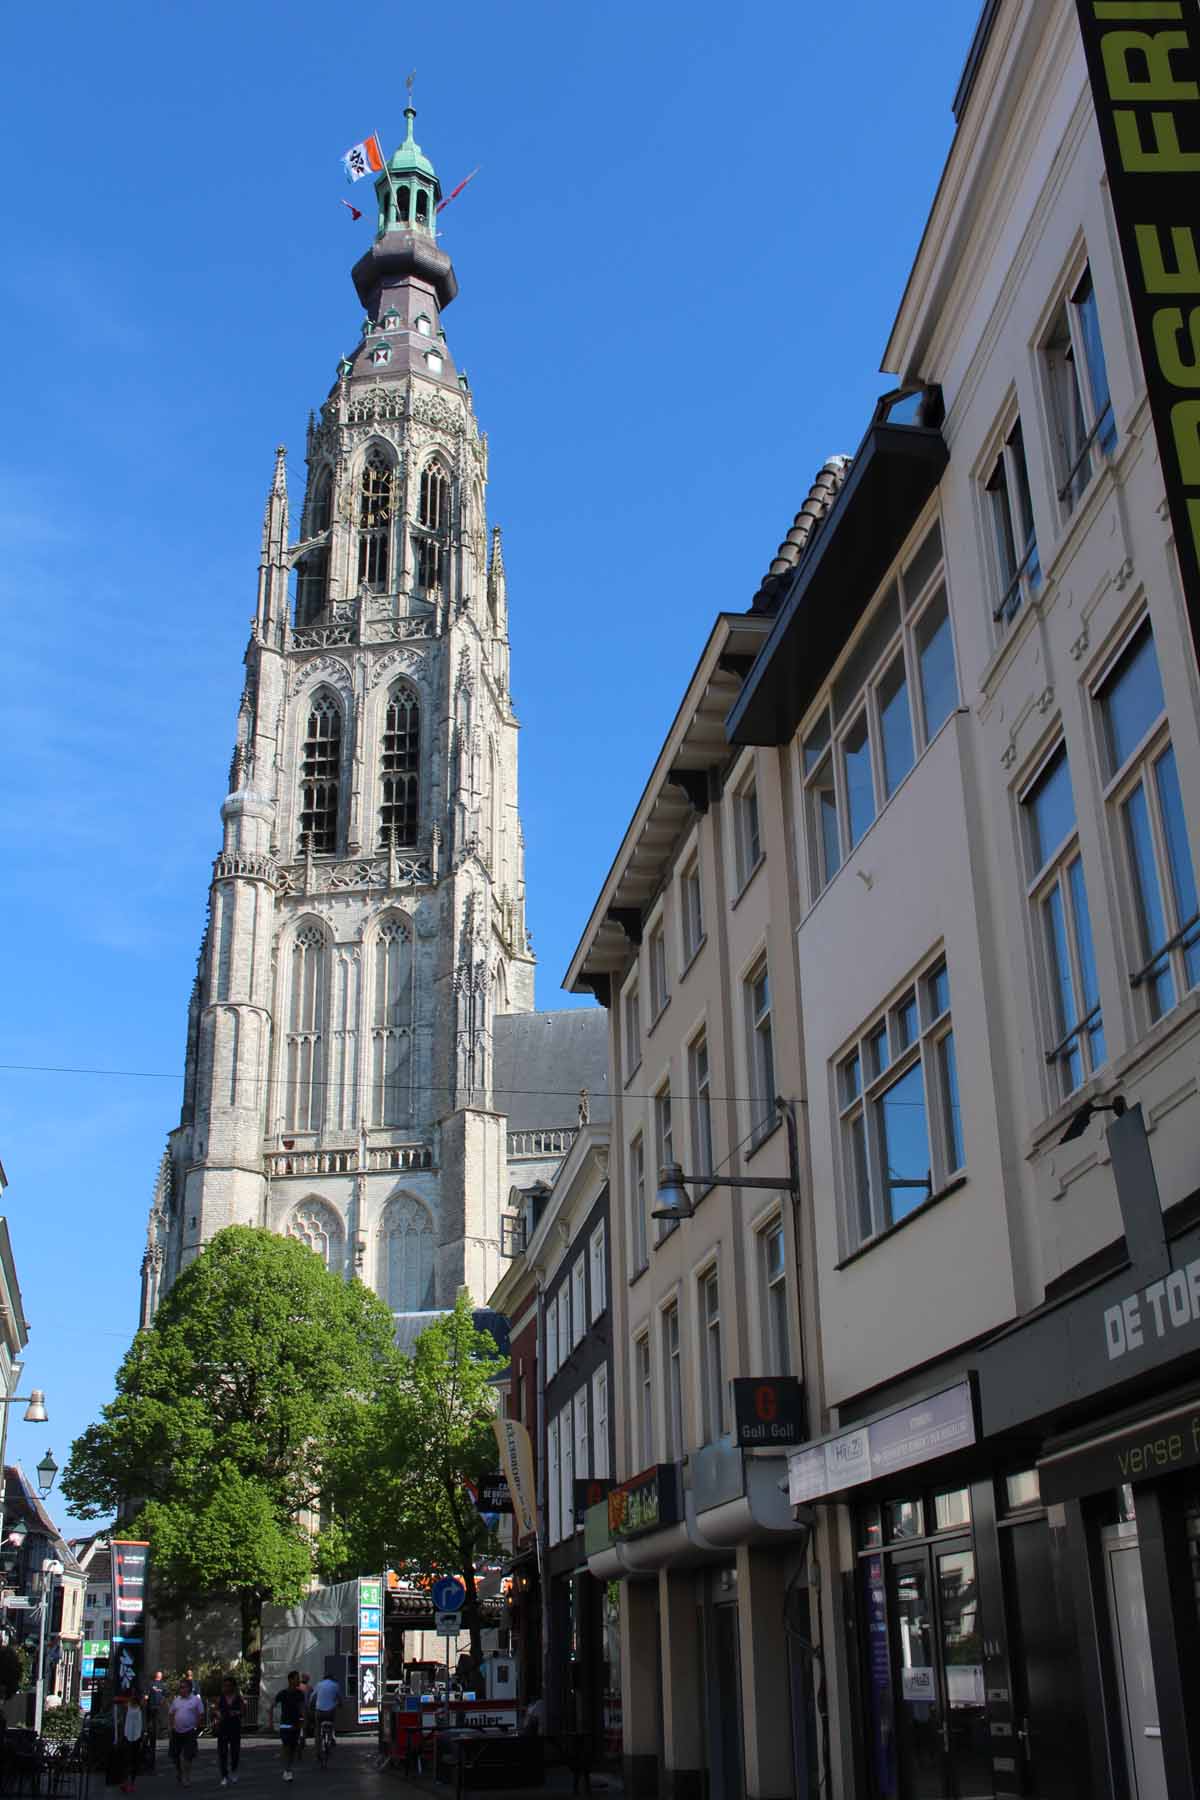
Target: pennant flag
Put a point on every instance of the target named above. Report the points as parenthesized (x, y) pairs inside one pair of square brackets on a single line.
[(443, 204), (354, 211), (364, 159)]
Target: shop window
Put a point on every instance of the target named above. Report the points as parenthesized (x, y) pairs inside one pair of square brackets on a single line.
[(1022, 1489), (952, 1511), (903, 1519), (1058, 897)]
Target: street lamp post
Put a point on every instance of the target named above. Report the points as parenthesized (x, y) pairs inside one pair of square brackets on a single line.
[(35, 1414), (50, 1568), (673, 1202)]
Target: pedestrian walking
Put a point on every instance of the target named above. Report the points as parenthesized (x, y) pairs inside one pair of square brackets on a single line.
[(289, 1703), (306, 1688), (186, 1717), (133, 1727), (228, 1712)]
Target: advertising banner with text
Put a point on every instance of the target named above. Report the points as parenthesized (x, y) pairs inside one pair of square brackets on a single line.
[(130, 1571)]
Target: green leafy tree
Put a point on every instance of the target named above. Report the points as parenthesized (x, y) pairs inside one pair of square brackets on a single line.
[(397, 1479), (228, 1409)]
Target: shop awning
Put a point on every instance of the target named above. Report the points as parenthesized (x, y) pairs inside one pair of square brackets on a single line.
[(896, 469)]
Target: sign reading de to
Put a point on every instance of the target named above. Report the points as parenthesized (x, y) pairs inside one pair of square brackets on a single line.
[(1156, 1311)]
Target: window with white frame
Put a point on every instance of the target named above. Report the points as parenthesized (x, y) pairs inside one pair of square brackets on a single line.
[(598, 1273), (691, 909), (761, 1050), (747, 833), (643, 1403), (566, 1452), (1080, 405), (564, 1324), (698, 1078), (894, 692), (656, 959), (664, 1141), (1063, 927), (578, 1298), (633, 1030), (1018, 572), (1143, 795), (583, 1457), (712, 1369), (552, 1340), (773, 1262), (637, 1205), (901, 1122), (600, 1422), (553, 1479), (673, 1382)]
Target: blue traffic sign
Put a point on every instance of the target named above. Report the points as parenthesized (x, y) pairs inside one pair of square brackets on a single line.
[(448, 1594)]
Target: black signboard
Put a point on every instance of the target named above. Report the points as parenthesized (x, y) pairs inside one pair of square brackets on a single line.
[(1144, 64), (590, 1490), (130, 1568), (768, 1409), (494, 1496), (1158, 1444), (644, 1502)]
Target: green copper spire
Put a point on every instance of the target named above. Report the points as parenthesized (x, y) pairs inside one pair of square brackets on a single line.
[(408, 190)]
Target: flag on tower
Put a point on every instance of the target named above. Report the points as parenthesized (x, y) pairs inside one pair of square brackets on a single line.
[(443, 204), (363, 159)]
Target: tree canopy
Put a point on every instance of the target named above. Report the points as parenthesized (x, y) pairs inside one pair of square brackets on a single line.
[(396, 1481), (229, 1410)]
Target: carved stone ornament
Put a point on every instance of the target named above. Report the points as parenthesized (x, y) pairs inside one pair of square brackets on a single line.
[(355, 876), (432, 409), (375, 403), (412, 662), (325, 668)]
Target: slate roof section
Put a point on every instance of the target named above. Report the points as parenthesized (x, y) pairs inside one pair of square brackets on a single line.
[(821, 496), (540, 1062)]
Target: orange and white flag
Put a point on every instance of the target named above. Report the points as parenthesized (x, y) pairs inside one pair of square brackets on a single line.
[(363, 159)]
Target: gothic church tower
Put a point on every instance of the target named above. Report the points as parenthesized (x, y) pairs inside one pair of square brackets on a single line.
[(367, 910)]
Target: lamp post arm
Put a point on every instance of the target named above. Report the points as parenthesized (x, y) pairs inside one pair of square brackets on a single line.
[(774, 1182)]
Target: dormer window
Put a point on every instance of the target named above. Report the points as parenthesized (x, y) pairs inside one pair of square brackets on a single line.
[(423, 325), (391, 321), (381, 354), (433, 362)]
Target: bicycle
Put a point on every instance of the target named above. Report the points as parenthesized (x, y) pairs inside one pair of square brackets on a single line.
[(325, 1741)]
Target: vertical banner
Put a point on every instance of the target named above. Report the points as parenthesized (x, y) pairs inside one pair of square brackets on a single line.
[(130, 1568), (370, 1647), (516, 1460), (1144, 65)]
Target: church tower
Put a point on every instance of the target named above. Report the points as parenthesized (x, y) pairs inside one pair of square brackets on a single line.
[(366, 922)]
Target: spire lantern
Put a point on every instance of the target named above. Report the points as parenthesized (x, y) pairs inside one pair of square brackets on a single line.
[(408, 190)]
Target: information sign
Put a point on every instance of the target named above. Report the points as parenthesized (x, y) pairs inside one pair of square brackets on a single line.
[(769, 1409)]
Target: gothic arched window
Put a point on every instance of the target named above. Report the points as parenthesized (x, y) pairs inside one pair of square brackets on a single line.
[(391, 1024), (304, 1076), (320, 775), (375, 521), (400, 769), (422, 206), (318, 1226), (402, 202), (406, 1274), (433, 518), (491, 813)]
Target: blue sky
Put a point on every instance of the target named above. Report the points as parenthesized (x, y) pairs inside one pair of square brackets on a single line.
[(677, 270)]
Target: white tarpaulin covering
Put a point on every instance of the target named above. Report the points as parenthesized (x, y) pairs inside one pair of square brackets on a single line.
[(300, 1637)]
